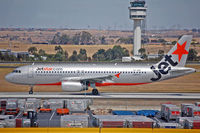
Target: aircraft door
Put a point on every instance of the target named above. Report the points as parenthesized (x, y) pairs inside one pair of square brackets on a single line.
[(80, 72), (30, 72)]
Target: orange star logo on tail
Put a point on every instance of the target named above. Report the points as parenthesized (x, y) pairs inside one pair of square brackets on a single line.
[(180, 51)]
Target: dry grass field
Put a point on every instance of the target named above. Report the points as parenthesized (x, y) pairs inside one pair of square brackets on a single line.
[(91, 49), (188, 83)]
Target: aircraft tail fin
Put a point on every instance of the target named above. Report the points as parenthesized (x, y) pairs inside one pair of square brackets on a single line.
[(177, 56)]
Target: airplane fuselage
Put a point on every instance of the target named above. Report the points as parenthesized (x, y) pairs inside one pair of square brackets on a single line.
[(123, 73), (78, 76)]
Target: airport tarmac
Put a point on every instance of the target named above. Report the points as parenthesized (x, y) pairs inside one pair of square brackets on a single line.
[(103, 95)]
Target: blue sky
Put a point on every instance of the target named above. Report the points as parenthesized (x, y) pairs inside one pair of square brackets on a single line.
[(97, 14)]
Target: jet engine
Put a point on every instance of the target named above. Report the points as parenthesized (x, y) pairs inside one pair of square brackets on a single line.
[(73, 86)]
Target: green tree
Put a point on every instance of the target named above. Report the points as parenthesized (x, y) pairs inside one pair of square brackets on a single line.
[(144, 56), (117, 52), (6, 57), (1, 56), (37, 57), (102, 39), (99, 55), (50, 57), (128, 40), (89, 59), (94, 40), (66, 55), (82, 55), (194, 30), (32, 50), (109, 54), (162, 40), (56, 38), (22, 57), (64, 39), (74, 56), (76, 39), (29, 39), (42, 52), (160, 54), (174, 42), (58, 49), (142, 51), (85, 37), (192, 56), (58, 57), (12, 58)]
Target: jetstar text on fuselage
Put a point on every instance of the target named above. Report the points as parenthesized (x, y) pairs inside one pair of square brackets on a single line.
[(48, 69), (163, 67)]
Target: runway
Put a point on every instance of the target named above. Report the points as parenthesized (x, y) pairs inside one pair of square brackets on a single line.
[(103, 95)]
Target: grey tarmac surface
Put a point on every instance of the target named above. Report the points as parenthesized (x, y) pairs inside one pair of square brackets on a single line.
[(103, 95)]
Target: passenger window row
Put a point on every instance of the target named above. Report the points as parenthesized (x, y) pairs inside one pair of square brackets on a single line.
[(114, 72), (16, 71)]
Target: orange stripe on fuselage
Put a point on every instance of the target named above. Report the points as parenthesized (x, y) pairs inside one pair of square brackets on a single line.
[(58, 83), (101, 84), (122, 84)]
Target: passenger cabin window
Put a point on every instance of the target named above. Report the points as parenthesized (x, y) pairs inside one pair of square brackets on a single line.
[(16, 71)]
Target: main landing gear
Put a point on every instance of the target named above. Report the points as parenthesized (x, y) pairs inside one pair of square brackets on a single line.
[(31, 90), (94, 91)]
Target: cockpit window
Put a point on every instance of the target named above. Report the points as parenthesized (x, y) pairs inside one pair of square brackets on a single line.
[(16, 71)]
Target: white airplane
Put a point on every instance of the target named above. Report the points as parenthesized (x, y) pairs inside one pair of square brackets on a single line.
[(79, 76)]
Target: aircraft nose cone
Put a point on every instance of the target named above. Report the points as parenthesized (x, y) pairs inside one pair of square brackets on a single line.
[(8, 77)]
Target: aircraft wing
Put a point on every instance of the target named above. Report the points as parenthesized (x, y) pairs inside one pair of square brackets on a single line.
[(89, 78)]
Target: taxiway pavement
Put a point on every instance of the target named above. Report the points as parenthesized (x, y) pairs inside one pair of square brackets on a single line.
[(103, 95)]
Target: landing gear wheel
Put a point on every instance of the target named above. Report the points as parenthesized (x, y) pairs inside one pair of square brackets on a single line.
[(95, 92), (31, 90)]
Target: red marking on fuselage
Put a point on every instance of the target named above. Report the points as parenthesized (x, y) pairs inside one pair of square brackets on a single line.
[(58, 83), (47, 69), (121, 84), (101, 84), (117, 75)]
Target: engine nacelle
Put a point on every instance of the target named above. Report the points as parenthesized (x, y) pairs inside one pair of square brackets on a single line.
[(73, 86)]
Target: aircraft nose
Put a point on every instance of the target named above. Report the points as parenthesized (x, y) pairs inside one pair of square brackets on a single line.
[(8, 77)]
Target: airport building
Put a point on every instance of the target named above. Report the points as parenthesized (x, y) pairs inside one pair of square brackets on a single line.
[(16, 54)]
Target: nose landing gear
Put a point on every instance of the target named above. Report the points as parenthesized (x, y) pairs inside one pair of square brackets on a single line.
[(31, 90)]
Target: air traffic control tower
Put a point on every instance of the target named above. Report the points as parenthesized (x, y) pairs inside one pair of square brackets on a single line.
[(137, 12)]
